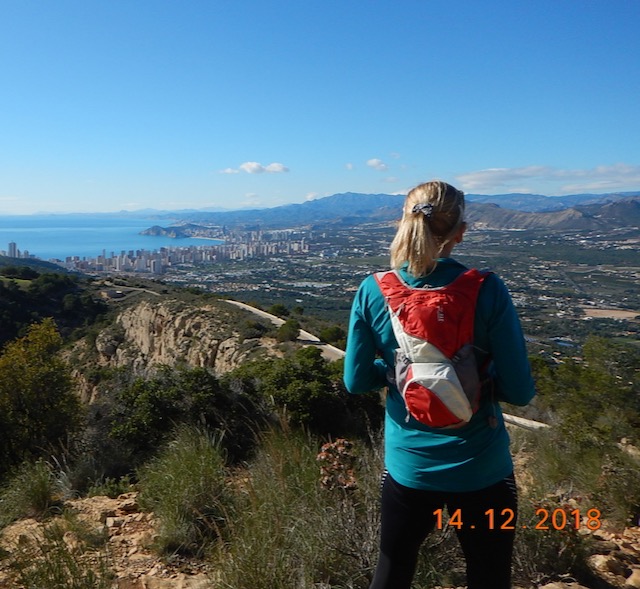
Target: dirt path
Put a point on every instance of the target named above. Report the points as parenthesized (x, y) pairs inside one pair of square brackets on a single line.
[(329, 352)]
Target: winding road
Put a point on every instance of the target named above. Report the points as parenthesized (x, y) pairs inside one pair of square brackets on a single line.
[(329, 352)]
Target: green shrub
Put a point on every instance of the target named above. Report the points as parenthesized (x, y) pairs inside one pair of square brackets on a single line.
[(252, 329), (23, 272), (185, 487), (332, 335), (288, 331), (279, 310), (594, 399), (35, 490), (38, 407), (311, 392), (147, 410)]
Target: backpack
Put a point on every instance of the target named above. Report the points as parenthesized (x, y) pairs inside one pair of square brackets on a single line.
[(435, 365)]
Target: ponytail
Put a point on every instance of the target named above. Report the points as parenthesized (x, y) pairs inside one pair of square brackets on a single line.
[(432, 214)]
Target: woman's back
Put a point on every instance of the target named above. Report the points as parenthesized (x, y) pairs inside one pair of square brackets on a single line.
[(467, 469), (466, 458)]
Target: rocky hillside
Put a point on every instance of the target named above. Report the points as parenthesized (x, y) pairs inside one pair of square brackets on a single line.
[(164, 331), (622, 213)]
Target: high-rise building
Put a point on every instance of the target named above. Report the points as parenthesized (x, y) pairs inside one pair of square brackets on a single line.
[(13, 249)]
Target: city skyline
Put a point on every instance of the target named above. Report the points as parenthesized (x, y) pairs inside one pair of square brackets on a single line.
[(127, 106)]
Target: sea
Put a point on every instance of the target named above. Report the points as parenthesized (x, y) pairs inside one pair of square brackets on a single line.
[(56, 237)]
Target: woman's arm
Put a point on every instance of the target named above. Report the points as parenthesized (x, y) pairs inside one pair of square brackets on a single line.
[(363, 371), (506, 344)]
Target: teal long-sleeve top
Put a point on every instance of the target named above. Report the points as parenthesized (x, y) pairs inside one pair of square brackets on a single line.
[(476, 455)]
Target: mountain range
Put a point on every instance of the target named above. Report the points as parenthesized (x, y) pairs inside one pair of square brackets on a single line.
[(508, 211), (539, 203)]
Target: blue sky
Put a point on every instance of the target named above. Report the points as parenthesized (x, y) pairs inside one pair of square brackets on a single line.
[(111, 105)]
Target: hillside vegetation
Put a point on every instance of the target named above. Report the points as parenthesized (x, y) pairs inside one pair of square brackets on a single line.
[(265, 472), (28, 295)]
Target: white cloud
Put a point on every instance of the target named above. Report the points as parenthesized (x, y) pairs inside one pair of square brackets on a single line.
[(311, 196), (600, 179), (549, 180), (252, 168), (496, 178), (349, 166), (377, 164), (391, 179), (276, 168), (256, 168)]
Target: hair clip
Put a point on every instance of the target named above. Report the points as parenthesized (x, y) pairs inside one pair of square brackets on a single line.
[(426, 208)]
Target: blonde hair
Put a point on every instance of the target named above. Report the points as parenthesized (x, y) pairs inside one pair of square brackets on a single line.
[(433, 213)]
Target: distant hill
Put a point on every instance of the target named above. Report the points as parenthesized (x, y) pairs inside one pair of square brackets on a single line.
[(596, 211), (624, 212), (345, 208), (35, 263), (540, 203), (607, 216)]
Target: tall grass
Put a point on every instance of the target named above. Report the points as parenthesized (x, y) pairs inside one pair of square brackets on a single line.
[(290, 532), (565, 477), (47, 560), (185, 486), (599, 474), (35, 490)]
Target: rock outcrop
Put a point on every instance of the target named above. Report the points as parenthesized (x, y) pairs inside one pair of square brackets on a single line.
[(170, 333), (151, 334)]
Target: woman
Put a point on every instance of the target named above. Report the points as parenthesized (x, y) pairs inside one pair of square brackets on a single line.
[(468, 470)]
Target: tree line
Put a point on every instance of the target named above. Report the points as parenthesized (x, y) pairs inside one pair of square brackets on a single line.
[(27, 297)]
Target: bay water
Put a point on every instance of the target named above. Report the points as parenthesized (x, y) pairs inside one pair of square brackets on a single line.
[(85, 235)]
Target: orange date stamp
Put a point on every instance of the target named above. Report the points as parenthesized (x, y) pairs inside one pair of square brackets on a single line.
[(556, 519)]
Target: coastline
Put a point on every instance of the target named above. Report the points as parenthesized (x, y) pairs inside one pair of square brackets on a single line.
[(57, 237)]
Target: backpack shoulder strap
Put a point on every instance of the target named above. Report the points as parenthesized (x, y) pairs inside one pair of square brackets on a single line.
[(394, 290), (390, 282), (392, 285), (423, 312), (470, 280)]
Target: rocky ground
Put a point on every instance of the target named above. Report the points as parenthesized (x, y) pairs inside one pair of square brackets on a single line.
[(127, 534)]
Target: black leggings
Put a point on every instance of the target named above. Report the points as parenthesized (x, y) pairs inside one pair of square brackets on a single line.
[(408, 517)]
